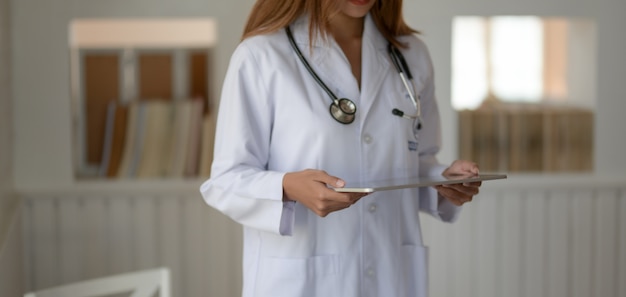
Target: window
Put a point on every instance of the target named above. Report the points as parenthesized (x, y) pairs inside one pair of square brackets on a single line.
[(524, 87), (141, 97)]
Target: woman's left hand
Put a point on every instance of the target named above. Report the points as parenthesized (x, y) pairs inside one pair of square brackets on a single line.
[(463, 192)]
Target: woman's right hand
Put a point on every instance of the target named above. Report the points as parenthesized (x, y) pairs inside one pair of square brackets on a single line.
[(309, 187)]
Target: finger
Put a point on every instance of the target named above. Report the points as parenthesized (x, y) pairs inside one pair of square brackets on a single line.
[(326, 211), (344, 198), (323, 208), (328, 207), (354, 197), (448, 193), (466, 190), (330, 180), (338, 203), (464, 167), (469, 167), (331, 196), (473, 184), (456, 197), (472, 168)]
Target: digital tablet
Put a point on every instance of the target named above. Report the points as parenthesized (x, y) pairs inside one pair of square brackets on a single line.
[(394, 184)]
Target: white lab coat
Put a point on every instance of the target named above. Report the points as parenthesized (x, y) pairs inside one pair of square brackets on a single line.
[(274, 118)]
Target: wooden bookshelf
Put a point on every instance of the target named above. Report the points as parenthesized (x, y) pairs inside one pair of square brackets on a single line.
[(528, 138), (155, 76), (136, 138)]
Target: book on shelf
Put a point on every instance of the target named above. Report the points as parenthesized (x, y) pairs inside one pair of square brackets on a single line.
[(129, 140), (179, 141), (570, 139), (151, 162), (108, 138), (195, 133), (485, 132), (140, 132), (157, 139), (465, 128), (114, 137), (583, 139), (553, 136), (133, 140), (119, 136), (528, 138), (534, 140)]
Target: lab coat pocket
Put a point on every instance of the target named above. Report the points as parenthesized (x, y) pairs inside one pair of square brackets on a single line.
[(415, 270), (292, 276)]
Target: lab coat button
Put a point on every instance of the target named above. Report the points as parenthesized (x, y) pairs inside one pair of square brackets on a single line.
[(367, 138), (370, 271), (373, 207)]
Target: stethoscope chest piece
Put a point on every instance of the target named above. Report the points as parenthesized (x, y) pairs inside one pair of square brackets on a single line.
[(343, 110)]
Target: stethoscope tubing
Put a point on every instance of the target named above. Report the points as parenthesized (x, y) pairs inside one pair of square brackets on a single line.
[(344, 113), (309, 68), (402, 67)]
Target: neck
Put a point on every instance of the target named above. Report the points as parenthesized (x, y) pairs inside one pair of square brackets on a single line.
[(348, 32), (347, 28)]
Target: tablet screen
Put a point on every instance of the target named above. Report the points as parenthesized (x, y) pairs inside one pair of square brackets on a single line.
[(394, 184)]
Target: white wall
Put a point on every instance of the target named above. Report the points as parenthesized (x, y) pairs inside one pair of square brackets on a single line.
[(41, 67), (10, 232), (6, 124)]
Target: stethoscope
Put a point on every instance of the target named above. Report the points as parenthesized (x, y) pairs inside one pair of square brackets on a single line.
[(343, 110)]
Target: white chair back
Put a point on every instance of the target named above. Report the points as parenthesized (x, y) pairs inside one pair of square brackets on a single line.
[(140, 284)]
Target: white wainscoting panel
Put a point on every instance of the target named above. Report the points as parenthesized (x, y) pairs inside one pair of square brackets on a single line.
[(11, 276), (528, 239), (81, 234), (523, 237)]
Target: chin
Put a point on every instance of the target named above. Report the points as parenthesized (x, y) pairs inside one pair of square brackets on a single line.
[(357, 8)]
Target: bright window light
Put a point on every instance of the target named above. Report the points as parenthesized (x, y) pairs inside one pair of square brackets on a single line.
[(522, 59), (517, 58)]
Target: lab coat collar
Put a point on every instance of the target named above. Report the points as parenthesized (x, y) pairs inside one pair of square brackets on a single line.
[(375, 63)]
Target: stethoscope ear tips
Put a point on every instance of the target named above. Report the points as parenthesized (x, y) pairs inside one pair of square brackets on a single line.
[(397, 112), (343, 110), (401, 114)]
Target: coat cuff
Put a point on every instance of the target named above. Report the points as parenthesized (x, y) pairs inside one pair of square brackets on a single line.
[(287, 218)]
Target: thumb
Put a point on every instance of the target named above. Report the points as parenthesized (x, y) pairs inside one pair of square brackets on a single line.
[(469, 167), (331, 180), (463, 167)]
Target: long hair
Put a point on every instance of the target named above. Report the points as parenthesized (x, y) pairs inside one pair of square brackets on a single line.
[(268, 16)]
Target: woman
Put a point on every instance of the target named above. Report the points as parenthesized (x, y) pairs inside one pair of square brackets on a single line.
[(278, 152)]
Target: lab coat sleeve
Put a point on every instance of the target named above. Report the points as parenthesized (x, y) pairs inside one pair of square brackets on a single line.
[(240, 185), (430, 200)]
